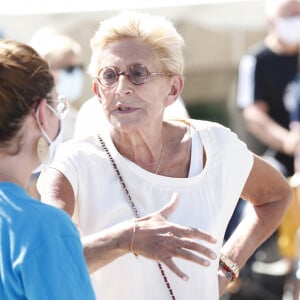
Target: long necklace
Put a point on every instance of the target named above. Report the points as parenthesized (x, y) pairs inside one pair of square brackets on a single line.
[(132, 205)]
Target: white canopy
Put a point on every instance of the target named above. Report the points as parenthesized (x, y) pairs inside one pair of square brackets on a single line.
[(220, 13)]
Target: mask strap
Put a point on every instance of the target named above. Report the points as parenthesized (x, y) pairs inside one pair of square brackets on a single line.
[(53, 110), (40, 125)]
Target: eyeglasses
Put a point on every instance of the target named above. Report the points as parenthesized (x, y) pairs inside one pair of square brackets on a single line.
[(137, 74), (62, 105)]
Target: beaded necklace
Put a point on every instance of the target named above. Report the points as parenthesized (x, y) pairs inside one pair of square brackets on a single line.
[(131, 203)]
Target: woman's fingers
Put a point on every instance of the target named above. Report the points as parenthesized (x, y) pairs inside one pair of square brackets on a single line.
[(171, 229), (194, 246), (185, 249), (191, 232), (172, 266), (185, 254), (161, 240)]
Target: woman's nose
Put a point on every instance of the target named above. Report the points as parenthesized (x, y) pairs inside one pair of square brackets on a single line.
[(124, 86)]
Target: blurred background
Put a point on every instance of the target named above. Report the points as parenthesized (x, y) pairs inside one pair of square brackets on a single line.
[(217, 34)]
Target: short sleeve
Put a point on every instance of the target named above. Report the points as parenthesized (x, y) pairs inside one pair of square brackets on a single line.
[(65, 161)]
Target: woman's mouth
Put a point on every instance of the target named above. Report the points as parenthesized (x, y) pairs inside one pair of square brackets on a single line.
[(125, 109)]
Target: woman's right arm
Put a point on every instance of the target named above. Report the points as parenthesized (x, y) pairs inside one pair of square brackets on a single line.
[(99, 248), (153, 235)]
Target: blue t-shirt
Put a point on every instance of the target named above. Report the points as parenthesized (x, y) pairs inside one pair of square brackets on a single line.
[(41, 256)]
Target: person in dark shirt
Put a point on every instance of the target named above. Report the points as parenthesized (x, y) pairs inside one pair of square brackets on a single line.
[(265, 75)]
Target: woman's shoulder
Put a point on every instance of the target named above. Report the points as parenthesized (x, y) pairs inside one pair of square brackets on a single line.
[(79, 153), (202, 125), (215, 131), (209, 131)]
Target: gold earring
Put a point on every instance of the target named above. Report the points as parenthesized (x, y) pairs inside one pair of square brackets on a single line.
[(43, 149)]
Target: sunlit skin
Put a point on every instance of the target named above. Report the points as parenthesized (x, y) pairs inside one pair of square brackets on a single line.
[(136, 111), (129, 106)]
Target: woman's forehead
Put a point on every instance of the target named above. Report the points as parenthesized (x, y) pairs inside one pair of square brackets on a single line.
[(128, 51)]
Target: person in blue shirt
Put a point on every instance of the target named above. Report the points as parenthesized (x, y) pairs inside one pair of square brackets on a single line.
[(41, 255)]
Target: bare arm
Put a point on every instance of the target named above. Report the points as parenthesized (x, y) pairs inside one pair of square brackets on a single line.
[(100, 248), (155, 237), (269, 194), (269, 132)]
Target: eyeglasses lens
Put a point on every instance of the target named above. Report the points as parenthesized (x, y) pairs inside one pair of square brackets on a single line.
[(137, 75), (108, 76)]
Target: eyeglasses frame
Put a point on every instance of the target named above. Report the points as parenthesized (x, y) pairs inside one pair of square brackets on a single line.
[(118, 74)]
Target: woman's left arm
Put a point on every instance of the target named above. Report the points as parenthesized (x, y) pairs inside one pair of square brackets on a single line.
[(269, 194)]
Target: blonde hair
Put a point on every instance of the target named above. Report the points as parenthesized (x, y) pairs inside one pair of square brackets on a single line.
[(155, 31)]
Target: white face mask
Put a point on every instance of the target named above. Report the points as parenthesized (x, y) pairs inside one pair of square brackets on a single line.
[(70, 83), (288, 30), (52, 144)]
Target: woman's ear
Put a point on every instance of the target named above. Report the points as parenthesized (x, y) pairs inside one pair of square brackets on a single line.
[(96, 90), (41, 111), (175, 88)]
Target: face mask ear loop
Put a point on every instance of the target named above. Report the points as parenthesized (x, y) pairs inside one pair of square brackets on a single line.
[(58, 117), (44, 133)]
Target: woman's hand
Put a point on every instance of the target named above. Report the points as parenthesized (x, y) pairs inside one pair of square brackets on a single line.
[(156, 238)]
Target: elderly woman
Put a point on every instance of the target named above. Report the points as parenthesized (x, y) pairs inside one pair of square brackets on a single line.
[(39, 245), (110, 181)]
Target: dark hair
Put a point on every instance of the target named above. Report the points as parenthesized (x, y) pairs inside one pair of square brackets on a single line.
[(25, 79)]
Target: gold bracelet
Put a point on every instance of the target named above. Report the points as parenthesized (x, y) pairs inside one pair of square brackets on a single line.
[(135, 253), (231, 268)]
